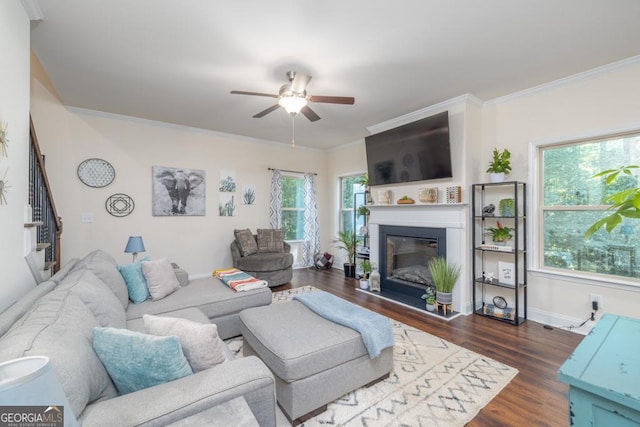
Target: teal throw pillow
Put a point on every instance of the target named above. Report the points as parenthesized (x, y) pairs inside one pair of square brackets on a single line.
[(136, 361), (136, 283)]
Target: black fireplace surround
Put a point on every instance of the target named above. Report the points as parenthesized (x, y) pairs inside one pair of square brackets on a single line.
[(405, 252)]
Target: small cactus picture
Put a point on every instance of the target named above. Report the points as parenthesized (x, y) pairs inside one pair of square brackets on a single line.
[(248, 194), (4, 140)]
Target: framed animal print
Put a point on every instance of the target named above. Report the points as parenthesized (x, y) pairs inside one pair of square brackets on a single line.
[(178, 191)]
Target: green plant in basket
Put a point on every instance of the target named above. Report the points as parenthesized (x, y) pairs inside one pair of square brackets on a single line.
[(500, 233), (443, 274)]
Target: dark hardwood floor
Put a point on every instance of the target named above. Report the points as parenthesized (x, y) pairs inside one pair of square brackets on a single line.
[(535, 397)]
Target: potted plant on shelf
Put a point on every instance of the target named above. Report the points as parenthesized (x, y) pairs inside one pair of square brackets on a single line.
[(363, 210), (364, 181), (500, 234), (444, 276), (500, 165), (430, 298), (347, 241), (365, 265)]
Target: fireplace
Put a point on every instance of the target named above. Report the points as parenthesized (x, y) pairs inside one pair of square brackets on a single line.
[(405, 253)]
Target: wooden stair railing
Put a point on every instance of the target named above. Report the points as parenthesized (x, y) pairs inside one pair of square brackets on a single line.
[(45, 215)]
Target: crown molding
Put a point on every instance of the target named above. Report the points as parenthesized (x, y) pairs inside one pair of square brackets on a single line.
[(33, 10), (565, 80), (184, 128), (424, 112)]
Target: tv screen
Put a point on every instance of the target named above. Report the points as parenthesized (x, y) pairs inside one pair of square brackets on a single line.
[(416, 151)]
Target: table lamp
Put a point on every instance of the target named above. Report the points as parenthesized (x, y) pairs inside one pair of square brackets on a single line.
[(134, 245), (29, 389)]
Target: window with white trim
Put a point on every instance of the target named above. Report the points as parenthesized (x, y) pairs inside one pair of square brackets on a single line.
[(292, 206), (570, 201), (349, 185)]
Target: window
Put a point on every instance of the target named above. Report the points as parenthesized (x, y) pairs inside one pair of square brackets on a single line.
[(292, 207), (349, 185), (571, 203)]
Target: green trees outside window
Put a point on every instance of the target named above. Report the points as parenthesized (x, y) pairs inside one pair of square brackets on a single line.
[(572, 201)]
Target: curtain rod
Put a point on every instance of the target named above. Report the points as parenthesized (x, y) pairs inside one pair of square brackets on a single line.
[(284, 170)]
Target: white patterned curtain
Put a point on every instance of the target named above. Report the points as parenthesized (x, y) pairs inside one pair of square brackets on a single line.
[(275, 205), (311, 226)]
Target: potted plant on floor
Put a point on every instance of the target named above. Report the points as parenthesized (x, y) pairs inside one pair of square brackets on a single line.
[(444, 276), (347, 241), (365, 265), (500, 234), (500, 165)]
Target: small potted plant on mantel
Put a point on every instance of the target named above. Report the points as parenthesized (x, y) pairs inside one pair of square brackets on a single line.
[(500, 165), (500, 234)]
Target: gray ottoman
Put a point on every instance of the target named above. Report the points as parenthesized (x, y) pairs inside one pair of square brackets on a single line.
[(314, 360)]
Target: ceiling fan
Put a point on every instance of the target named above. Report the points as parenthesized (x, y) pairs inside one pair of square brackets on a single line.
[(293, 97)]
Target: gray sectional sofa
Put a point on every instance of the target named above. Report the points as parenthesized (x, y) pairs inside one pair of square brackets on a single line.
[(57, 317)]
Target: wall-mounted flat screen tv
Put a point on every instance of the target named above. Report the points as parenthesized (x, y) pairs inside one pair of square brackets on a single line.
[(417, 151)]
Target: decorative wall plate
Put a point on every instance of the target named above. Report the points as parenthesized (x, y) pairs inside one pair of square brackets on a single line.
[(119, 205), (96, 173)]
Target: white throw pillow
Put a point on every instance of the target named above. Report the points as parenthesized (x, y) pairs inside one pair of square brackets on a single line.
[(200, 342), (161, 279)]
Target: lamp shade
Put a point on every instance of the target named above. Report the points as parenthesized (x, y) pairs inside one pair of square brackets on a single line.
[(293, 104), (29, 389), (134, 245)]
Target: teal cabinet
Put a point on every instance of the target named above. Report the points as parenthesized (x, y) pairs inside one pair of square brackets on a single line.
[(603, 374)]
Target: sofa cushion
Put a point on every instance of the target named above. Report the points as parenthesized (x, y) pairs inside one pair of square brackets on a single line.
[(207, 294), (104, 266), (270, 240), (64, 270), (96, 296), (161, 279), (269, 261), (59, 327), (136, 361), (246, 242), (200, 342), (135, 280), (24, 304)]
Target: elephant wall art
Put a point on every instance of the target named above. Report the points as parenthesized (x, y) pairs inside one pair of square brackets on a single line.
[(178, 192)]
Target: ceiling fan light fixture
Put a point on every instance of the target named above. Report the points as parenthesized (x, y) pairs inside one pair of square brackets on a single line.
[(293, 104)]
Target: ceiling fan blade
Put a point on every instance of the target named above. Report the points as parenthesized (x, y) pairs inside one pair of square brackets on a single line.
[(241, 92), (300, 82), (310, 114), (267, 111), (347, 100)]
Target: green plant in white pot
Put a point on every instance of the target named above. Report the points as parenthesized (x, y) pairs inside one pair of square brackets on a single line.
[(366, 267), (444, 276), (500, 165)]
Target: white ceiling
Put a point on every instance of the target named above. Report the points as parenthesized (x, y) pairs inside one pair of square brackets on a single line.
[(176, 60)]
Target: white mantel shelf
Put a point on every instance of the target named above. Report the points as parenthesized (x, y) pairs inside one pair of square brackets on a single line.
[(412, 205)]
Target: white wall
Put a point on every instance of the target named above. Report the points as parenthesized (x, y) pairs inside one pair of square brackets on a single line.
[(14, 111), (594, 103), (199, 244)]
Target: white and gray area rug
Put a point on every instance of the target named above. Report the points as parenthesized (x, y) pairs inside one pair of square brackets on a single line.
[(433, 383)]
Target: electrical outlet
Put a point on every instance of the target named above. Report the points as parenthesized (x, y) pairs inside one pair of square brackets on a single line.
[(596, 298)]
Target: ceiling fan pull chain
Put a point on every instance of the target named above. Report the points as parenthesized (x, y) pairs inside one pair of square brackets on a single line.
[(293, 131)]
